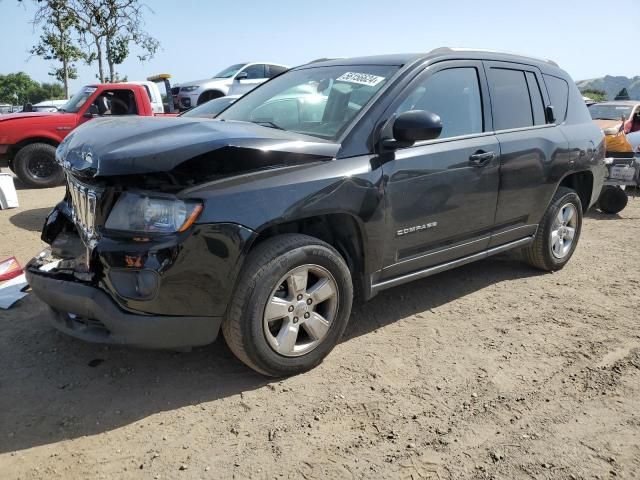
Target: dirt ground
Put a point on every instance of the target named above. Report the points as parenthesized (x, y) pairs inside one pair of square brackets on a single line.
[(493, 370)]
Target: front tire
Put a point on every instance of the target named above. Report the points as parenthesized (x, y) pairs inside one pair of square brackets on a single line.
[(558, 232), (36, 167), (291, 305), (209, 95)]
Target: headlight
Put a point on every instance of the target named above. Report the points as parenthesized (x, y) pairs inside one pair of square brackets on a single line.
[(190, 88), (144, 214)]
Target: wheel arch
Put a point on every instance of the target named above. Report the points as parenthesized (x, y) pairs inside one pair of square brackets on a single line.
[(582, 183), (28, 141), (343, 231), (15, 148)]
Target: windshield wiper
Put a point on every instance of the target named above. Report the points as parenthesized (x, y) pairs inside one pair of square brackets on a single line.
[(267, 123)]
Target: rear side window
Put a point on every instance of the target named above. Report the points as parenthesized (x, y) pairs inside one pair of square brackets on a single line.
[(536, 99), (559, 95), (275, 70), (146, 87), (453, 94), (510, 99)]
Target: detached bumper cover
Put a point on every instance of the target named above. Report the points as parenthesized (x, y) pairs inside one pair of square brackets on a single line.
[(88, 313)]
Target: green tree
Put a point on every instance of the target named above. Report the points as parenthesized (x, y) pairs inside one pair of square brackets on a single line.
[(109, 28), (14, 87), (19, 88), (623, 95), (57, 41), (594, 94)]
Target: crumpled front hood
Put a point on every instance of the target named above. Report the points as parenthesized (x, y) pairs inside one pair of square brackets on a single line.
[(189, 147)]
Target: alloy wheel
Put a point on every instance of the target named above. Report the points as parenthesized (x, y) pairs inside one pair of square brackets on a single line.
[(300, 310), (563, 230)]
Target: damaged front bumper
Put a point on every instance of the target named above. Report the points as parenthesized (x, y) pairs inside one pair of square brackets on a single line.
[(166, 292), (88, 313)]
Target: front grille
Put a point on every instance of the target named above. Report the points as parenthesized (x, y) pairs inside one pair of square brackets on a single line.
[(84, 201)]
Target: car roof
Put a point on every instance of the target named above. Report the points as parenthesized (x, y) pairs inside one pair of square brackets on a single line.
[(394, 59), (402, 59)]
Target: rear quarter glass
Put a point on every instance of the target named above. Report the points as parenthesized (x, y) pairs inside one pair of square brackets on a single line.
[(558, 89)]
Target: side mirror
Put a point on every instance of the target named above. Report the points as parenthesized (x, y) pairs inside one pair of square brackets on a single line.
[(92, 111), (414, 126), (242, 76)]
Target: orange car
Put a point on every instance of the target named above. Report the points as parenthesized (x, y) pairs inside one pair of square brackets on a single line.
[(617, 119)]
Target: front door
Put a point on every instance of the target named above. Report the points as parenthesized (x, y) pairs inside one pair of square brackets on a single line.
[(442, 194), (255, 75)]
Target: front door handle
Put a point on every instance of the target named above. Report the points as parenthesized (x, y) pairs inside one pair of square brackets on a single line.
[(481, 158)]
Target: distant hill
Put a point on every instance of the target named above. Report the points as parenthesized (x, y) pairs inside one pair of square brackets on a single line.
[(612, 85)]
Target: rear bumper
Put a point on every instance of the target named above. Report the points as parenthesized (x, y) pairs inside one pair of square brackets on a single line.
[(88, 313)]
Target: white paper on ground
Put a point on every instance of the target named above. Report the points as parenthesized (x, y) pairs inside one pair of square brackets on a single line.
[(8, 194), (10, 291)]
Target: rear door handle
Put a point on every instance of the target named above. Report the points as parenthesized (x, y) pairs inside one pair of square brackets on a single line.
[(481, 158)]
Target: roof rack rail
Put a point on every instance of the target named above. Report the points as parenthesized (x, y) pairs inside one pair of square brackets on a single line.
[(463, 49)]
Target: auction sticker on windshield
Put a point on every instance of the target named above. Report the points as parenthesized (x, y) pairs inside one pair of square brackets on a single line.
[(360, 78)]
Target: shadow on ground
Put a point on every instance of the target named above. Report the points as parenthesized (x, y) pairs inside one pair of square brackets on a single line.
[(598, 215), (31, 220), (54, 388)]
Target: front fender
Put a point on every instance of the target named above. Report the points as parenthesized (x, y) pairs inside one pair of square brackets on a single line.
[(263, 199)]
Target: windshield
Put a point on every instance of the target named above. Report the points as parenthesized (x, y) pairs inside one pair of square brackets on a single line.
[(318, 101), (211, 108), (229, 71), (78, 100), (610, 112)]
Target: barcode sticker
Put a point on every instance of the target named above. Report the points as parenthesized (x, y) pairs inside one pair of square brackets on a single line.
[(360, 78)]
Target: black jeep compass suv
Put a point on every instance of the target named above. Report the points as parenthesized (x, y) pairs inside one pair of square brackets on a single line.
[(335, 179)]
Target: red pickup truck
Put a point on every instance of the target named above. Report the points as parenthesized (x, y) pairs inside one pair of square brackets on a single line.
[(28, 141)]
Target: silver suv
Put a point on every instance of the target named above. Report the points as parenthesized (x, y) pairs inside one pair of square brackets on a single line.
[(235, 80)]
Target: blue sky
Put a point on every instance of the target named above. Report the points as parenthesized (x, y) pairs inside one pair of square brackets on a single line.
[(202, 37)]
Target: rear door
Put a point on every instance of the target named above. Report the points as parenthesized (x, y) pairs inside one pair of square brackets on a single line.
[(530, 147), (441, 194)]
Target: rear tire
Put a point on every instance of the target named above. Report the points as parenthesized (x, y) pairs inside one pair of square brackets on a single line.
[(612, 200), (270, 304), (36, 167), (558, 232)]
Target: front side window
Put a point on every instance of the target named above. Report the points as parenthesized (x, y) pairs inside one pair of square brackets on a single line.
[(510, 99), (116, 102), (318, 101), (255, 72), (275, 70), (454, 95)]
